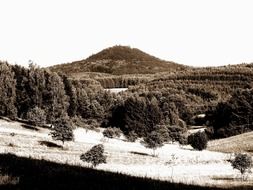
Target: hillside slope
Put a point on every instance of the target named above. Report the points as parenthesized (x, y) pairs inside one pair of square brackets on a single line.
[(234, 144), (118, 60), (172, 163)]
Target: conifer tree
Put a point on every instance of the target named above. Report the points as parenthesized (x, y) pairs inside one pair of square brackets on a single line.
[(7, 91)]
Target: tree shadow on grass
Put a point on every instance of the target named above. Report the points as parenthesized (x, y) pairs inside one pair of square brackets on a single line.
[(30, 127), (140, 153), (41, 174), (49, 144), (6, 119)]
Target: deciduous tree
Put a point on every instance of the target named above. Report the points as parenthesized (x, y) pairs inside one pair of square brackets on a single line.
[(95, 155)]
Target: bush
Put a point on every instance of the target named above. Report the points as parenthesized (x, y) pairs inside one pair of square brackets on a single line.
[(95, 155), (176, 132), (37, 116), (131, 136), (242, 162), (111, 132), (198, 140), (183, 140)]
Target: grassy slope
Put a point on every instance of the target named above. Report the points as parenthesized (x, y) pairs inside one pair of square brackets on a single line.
[(238, 143), (188, 167)]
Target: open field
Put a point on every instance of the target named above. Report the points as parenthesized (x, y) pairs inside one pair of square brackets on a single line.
[(234, 144), (173, 163)]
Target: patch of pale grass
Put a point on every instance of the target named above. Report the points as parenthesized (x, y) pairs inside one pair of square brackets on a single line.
[(8, 180), (235, 144)]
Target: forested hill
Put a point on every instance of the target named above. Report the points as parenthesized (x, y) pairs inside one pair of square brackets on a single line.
[(118, 60), (171, 100)]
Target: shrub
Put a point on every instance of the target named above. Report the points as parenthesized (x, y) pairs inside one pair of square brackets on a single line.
[(242, 162), (111, 132), (95, 155), (131, 136), (183, 140), (176, 132), (37, 116), (198, 140)]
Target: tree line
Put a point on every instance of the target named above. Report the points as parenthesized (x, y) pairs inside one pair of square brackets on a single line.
[(44, 96), (22, 90)]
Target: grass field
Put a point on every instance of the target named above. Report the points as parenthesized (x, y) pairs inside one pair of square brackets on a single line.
[(234, 144), (173, 164)]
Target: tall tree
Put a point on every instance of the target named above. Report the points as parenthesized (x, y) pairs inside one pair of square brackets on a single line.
[(71, 93), (55, 99), (83, 101), (23, 100), (7, 91), (37, 85)]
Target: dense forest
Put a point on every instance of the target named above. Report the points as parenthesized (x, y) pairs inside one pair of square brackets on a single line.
[(170, 100)]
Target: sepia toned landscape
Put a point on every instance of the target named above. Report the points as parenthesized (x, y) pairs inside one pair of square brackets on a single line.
[(123, 119)]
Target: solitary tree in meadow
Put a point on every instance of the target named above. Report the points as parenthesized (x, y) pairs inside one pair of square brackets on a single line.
[(242, 162), (95, 155), (62, 131), (153, 141)]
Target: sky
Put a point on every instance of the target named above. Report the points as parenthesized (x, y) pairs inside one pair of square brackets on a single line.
[(190, 32)]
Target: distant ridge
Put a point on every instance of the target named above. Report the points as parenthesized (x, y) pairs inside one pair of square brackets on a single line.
[(119, 60)]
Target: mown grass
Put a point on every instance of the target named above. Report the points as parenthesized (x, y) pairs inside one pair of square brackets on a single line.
[(41, 174)]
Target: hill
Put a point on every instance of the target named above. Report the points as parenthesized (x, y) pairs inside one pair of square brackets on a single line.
[(118, 60)]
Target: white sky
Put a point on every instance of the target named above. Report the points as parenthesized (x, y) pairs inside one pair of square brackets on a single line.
[(196, 32)]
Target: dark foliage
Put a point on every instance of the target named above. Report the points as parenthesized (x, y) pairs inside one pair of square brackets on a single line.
[(37, 116), (137, 114), (62, 131), (234, 116), (242, 162), (7, 91), (169, 99), (183, 140), (153, 140), (198, 140), (177, 133), (131, 136), (111, 132), (95, 155), (119, 60), (70, 92)]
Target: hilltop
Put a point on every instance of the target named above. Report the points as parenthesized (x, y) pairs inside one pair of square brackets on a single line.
[(119, 60)]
